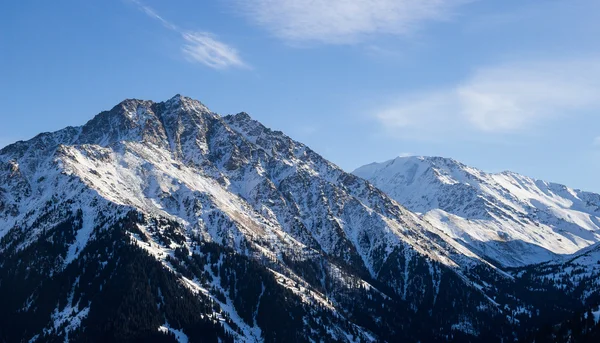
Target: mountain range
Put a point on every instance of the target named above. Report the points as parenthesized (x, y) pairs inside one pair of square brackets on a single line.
[(506, 217), (166, 222)]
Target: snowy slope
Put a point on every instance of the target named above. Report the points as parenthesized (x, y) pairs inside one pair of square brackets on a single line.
[(578, 274), (507, 217)]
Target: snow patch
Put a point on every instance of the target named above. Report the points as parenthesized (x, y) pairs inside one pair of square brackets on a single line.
[(179, 335)]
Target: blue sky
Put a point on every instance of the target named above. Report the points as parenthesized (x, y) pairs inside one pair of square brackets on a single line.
[(499, 85)]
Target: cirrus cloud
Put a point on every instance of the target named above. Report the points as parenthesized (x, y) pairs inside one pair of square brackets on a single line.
[(343, 21), (204, 48), (199, 47)]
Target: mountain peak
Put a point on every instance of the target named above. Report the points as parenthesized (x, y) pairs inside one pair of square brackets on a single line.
[(186, 103), (133, 120), (433, 160), (179, 99), (136, 120), (408, 167), (242, 116)]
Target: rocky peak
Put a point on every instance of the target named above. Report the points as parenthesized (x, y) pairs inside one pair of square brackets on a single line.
[(185, 104), (177, 124)]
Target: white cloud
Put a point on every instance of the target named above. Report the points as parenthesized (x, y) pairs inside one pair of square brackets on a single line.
[(200, 47), (510, 98), (152, 14), (343, 21)]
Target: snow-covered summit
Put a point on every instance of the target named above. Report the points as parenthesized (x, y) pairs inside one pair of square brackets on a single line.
[(506, 216)]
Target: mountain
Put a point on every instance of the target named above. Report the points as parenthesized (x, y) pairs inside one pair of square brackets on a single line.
[(255, 232), (507, 218), (165, 222)]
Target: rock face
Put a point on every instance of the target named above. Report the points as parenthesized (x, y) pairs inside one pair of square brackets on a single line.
[(167, 222), (508, 218)]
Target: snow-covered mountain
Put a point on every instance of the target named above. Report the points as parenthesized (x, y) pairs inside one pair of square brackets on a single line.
[(167, 222), (509, 218), (179, 181)]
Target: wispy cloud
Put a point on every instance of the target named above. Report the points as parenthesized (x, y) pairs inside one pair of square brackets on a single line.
[(203, 47), (152, 14), (343, 21), (509, 98), (200, 47)]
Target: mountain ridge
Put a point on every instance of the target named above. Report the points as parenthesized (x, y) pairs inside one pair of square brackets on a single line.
[(104, 228), (506, 206)]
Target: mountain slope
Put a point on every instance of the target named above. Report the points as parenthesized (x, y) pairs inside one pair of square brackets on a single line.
[(263, 238), (507, 217), (573, 284)]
